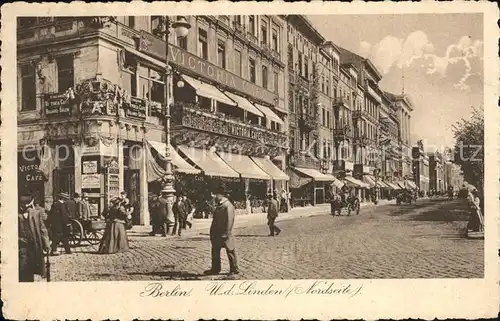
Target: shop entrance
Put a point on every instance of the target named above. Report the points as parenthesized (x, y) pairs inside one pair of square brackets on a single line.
[(132, 185), (64, 181)]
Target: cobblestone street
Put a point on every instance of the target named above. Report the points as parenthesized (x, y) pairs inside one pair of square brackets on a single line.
[(422, 240)]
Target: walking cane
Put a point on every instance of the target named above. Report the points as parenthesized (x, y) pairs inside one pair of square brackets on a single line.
[(47, 266)]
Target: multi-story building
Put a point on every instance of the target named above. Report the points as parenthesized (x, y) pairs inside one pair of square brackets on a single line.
[(453, 175), (420, 164), (91, 98), (436, 172), (404, 107), (306, 101)]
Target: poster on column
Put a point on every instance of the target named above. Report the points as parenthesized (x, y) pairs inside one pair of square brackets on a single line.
[(91, 181)]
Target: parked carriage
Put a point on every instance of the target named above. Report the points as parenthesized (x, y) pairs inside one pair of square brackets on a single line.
[(89, 230)]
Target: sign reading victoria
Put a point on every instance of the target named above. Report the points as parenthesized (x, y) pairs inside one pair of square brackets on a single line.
[(57, 105), (155, 47)]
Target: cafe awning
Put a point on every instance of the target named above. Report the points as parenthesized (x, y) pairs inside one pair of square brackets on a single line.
[(272, 170), (209, 162), (244, 104), (206, 90), (180, 164), (411, 184), (401, 184), (243, 165), (271, 115), (393, 186), (369, 180), (315, 174), (381, 184), (353, 182)]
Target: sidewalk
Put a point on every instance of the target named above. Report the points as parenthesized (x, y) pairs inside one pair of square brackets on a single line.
[(203, 224)]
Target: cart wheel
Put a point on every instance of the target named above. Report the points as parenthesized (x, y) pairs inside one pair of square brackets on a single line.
[(94, 237), (76, 233)]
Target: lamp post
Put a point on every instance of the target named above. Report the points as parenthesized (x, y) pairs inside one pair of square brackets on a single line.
[(181, 27)]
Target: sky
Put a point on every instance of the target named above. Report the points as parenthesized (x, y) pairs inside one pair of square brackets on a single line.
[(440, 56)]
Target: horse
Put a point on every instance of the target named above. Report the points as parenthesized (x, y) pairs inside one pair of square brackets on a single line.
[(351, 203)]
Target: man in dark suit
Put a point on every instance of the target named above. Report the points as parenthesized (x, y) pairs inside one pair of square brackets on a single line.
[(180, 213), (272, 214), (60, 223), (74, 206), (221, 232)]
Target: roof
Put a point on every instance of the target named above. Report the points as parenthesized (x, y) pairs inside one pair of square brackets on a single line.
[(347, 56), (403, 97), (301, 21)]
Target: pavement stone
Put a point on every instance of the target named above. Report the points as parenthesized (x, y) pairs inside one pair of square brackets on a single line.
[(422, 240)]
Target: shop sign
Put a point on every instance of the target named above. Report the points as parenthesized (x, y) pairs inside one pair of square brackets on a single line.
[(94, 207), (31, 173), (91, 149), (111, 164), (91, 181), (136, 108), (113, 185), (89, 167), (155, 47), (57, 105)]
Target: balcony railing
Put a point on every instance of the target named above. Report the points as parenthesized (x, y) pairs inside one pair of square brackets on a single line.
[(341, 132), (360, 114), (309, 121), (303, 159), (340, 101), (191, 115), (239, 28), (361, 141), (253, 39)]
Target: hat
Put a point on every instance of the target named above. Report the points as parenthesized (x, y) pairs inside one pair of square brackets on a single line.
[(63, 195), (115, 200), (76, 195), (220, 188)]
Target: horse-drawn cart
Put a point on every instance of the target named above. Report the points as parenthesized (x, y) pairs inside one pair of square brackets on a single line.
[(89, 230)]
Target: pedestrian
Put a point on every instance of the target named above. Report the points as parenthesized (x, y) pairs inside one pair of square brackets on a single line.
[(60, 223), (221, 232), (272, 214), (476, 222), (33, 240), (84, 207), (284, 201), (290, 199), (180, 213), (156, 223), (190, 212), (115, 238), (73, 205)]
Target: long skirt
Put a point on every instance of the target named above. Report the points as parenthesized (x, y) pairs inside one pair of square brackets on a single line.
[(114, 239)]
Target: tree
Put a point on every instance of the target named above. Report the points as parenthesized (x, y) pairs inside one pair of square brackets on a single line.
[(469, 148)]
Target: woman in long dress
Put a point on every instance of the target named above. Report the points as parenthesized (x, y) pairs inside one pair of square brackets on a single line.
[(115, 239)]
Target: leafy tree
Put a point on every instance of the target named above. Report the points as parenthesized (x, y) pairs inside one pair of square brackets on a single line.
[(469, 148)]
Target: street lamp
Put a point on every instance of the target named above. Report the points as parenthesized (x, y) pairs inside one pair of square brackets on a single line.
[(181, 27)]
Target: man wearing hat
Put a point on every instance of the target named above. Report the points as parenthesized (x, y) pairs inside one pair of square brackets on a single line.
[(180, 213), (272, 214), (221, 232), (60, 223), (74, 206)]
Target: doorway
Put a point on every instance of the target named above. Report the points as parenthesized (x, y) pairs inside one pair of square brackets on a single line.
[(132, 187)]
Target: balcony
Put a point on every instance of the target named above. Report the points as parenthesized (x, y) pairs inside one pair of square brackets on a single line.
[(360, 114), (253, 40), (192, 116), (308, 122), (239, 30), (304, 160), (339, 102), (341, 133), (302, 81), (362, 141)]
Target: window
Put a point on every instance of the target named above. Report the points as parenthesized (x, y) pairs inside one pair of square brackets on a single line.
[(328, 118), (251, 24), (202, 44), (275, 40), (130, 21), (237, 62), (28, 88), (263, 30), (151, 85), (237, 20), (65, 73), (26, 22), (327, 87), (323, 85), (300, 63), (155, 25), (182, 42), (306, 68), (264, 77), (323, 116), (276, 82), (251, 69), (221, 54)]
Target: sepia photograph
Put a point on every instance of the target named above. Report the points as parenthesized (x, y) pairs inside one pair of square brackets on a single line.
[(238, 147)]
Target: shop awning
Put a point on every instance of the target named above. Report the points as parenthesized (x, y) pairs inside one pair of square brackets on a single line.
[(382, 184), (315, 174), (208, 91), (411, 184), (180, 164), (337, 183), (369, 180), (272, 170), (401, 184), (209, 162), (393, 186), (244, 104), (244, 166), (351, 181), (271, 115)]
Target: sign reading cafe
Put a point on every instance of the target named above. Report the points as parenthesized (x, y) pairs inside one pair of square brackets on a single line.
[(135, 108), (156, 48)]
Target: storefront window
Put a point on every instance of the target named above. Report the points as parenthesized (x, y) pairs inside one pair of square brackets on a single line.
[(202, 44), (28, 88)]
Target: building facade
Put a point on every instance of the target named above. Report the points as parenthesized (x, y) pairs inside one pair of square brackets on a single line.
[(420, 164), (437, 181), (92, 96)]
